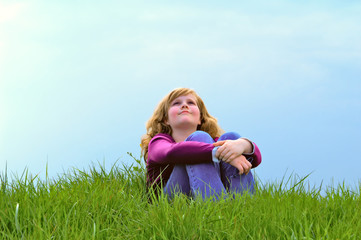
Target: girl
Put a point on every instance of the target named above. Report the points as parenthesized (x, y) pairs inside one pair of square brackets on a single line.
[(185, 150)]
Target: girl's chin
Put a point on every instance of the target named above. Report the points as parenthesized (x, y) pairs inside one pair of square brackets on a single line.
[(186, 125)]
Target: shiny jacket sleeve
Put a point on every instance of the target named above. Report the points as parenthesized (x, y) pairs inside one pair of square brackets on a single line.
[(163, 149), (255, 158)]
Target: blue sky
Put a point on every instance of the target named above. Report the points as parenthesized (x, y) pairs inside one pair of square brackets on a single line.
[(78, 80)]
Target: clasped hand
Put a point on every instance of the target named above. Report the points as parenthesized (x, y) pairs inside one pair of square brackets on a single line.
[(230, 151)]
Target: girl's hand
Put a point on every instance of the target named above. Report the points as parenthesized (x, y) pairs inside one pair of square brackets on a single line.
[(231, 149), (242, 164)]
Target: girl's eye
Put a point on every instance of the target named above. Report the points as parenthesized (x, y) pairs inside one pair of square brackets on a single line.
[(191, 103), (175, 103)]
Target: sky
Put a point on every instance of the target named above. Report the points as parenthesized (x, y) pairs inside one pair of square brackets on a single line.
[(79, 79)]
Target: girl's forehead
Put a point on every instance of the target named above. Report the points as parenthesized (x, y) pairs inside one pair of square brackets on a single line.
[(187, 96)]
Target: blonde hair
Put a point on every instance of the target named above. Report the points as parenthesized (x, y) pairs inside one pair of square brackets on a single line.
[(157, 123)]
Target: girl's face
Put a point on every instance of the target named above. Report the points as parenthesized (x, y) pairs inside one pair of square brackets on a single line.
[(184, 113)]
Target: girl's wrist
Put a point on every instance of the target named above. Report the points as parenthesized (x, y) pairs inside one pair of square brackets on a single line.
[(247, 145)]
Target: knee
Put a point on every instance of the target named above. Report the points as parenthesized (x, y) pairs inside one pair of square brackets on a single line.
[(229, 136), (200, 136)]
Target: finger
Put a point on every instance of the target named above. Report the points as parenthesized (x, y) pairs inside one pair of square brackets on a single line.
[(227, 157), (241, 170), (246, 166), (237, 164), (243, 161), (220, 153), (230, 159), (225, 154), (219, 143), (249, 164)]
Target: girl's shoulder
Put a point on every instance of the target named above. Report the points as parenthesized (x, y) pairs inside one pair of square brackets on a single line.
[(163, 136)]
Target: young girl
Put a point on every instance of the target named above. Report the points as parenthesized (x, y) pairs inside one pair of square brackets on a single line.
[(186, 152)]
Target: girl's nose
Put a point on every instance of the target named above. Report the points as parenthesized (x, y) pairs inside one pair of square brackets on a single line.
[(184, 105)]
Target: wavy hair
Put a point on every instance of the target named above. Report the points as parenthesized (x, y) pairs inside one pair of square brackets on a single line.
[(157, 123)]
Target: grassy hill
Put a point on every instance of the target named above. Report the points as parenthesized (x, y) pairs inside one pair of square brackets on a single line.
[(95, 204)]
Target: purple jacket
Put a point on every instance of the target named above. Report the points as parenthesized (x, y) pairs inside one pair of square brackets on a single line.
[(164, 153)]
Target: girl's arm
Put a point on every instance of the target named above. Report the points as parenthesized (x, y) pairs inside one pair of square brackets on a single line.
[(164, 150), (230, 149)]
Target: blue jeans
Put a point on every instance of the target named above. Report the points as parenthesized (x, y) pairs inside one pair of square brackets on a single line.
[(208, 179)]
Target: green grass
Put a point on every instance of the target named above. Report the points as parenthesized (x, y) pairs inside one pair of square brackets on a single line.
[(96, 204)]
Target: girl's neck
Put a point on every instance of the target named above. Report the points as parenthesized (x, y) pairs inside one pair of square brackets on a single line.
[(181, 135)]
